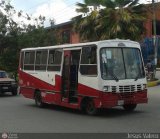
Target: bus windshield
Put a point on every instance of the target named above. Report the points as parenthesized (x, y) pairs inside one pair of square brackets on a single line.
[(121, 63)]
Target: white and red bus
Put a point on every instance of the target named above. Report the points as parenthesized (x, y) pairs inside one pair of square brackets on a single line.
[(85, 76)]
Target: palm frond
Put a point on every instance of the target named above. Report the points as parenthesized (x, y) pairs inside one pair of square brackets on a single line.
[(120, 19), (82, 8)]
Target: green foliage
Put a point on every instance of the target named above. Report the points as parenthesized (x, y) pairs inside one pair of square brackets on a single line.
[(9, 60), (118, 19), (15, 36)]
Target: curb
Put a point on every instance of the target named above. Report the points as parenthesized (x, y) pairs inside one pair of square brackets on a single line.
[(154, 83), (158, 69)]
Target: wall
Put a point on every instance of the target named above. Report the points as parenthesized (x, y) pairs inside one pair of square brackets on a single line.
[(148, 23)]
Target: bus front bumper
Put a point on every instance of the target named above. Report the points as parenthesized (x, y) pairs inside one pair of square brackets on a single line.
[(113, 99)]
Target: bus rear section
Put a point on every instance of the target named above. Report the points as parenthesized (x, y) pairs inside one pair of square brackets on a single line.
[(86, 76)]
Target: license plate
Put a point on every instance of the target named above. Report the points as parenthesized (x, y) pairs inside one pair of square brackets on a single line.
[(5, 87), (120, 102)]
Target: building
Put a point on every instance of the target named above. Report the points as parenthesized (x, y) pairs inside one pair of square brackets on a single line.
[(149, 22), (66, 34)]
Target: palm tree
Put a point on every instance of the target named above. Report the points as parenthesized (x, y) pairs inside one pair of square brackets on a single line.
[(119, 19), (85, 26)]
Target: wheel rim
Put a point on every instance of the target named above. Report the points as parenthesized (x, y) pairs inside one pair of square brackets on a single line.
[(38, 99), (90, 107)]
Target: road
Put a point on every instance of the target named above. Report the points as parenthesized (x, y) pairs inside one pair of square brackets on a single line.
[(20, 115)]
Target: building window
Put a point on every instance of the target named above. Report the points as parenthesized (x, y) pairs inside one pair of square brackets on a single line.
[(54, 60), (157, 27), (88, 64), (41, 60), (29, 60), (66, 36)]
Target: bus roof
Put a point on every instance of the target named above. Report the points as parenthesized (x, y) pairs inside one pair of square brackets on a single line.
[(82, 44)]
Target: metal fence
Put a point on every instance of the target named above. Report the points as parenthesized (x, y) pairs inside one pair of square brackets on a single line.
[(147, 47)]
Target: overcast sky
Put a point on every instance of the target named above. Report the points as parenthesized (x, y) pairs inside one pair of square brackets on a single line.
[(59, 10)]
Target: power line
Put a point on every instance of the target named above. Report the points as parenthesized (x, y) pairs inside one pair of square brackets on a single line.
[(25, 14), (44, 2), (62, 11), (59, 13)]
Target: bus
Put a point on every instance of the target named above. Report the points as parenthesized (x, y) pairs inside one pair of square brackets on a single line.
[(85, 76)]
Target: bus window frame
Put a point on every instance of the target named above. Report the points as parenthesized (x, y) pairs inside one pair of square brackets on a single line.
[(21, 63), (41, 70), (24, 57), (89, 75), (61, 61)]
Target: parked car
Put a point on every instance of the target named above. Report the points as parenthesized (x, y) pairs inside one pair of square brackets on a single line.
[(7, 84)]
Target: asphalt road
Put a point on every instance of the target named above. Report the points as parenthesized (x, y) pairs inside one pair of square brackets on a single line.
[(20, 115)]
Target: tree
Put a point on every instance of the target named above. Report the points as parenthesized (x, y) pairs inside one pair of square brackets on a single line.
[(14, 36), (85, 26), (118, 19)]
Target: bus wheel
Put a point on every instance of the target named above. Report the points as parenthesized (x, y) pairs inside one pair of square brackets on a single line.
[(129, 107), (90, 108), (38, 99)]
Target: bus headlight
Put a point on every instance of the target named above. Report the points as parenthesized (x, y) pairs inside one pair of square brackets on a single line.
[(106, 89)]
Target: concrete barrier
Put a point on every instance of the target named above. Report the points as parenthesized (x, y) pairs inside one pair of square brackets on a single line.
[(158, 69), (157, 82), (153, 83)]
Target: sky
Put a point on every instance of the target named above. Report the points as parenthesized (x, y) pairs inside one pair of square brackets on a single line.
[(58, 10)]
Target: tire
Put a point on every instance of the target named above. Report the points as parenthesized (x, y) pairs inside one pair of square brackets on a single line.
[(129, 107), (90, 108), (14, 92), (38, 99)]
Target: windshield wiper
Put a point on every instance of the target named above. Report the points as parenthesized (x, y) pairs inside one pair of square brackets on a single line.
[(137, 77)]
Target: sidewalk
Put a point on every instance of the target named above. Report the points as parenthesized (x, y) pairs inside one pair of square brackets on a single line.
[(155, 83), (158, 74)]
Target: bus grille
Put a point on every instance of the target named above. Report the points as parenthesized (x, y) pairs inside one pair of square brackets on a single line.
[(126, 88)]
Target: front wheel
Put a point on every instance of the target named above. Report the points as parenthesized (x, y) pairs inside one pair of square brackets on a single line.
[(129, 107), (14, 92), (38, 99), (90, 108)]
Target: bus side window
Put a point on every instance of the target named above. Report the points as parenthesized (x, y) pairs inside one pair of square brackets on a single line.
[(41, 60), (54, 60), (88, 64), (29, 60)]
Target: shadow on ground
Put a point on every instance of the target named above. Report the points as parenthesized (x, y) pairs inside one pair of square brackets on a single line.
[(7, 94), (110, 113)]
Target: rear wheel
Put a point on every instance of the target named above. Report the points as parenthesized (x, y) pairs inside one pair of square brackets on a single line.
[(129, 107), (90, 108), (38, 99)]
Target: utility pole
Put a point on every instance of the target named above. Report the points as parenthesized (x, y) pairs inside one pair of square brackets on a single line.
[(154, 37), (154, 31)]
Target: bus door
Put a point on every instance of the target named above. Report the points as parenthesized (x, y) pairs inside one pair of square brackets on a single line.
[(70, 75), (65, 75)]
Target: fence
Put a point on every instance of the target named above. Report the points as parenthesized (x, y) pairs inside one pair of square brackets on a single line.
[(147, 47)]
